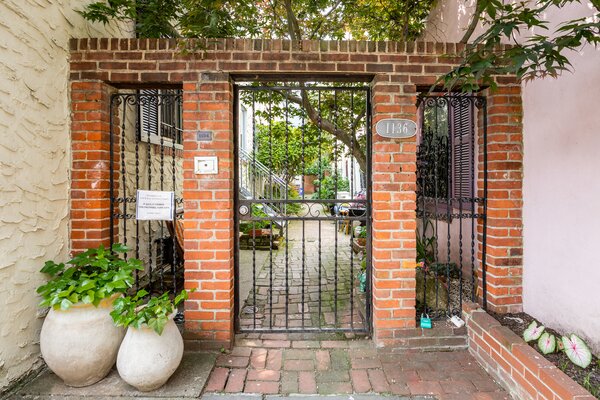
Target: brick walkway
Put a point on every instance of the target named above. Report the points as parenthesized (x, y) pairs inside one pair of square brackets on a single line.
[(272, 364), (313, 280)]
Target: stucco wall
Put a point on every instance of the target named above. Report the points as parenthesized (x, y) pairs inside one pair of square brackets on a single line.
[(34, 163), (561, 186), (561, 191)]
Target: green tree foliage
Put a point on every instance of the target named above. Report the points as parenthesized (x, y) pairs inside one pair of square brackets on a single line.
[(336, 120), (292, 19), (287, 150), (530, 56)]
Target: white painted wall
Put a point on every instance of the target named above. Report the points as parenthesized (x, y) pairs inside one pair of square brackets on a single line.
[(34, 163), (561, 185)]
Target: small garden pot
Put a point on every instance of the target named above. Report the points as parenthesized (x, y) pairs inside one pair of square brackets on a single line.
[(146, 359), (80, 344)]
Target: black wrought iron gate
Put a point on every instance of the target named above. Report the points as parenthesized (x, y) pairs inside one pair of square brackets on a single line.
[(146, 157), (302, 208), (451, 203)]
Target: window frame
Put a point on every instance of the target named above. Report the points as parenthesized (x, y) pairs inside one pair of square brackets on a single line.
[(155, 136), (454, 191)]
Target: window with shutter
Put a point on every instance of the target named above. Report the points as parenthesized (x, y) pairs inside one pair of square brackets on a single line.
[(160, 120), (462, 132), (446, 148)]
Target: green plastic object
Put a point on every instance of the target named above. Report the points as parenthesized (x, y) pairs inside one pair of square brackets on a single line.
[(425, 321), (362, 279)]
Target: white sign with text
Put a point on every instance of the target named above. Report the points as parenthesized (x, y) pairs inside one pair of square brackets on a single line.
[(154, 205)]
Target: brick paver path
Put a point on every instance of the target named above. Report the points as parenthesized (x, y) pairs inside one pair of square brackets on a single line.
[(309, 283), (272, 364)]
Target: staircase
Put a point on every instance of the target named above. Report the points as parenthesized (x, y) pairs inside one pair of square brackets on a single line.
[(258, 182)]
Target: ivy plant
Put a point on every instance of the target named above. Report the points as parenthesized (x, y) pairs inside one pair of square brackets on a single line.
[(135, 311), (88, 278)]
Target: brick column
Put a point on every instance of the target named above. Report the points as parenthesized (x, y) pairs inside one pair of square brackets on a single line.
[(504, 245), (90, 172), (208, 218), (394, 216)]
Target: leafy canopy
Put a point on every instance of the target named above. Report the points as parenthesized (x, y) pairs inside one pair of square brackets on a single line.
[(93, 275), (297, 19)]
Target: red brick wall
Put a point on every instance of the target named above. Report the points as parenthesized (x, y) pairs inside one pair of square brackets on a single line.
[(504, 246), (394, 214), (90, 169), (518, 367), (208, 205), (395, 70)]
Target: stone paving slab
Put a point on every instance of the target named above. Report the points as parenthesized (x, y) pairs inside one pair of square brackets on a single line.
[(187, 382)]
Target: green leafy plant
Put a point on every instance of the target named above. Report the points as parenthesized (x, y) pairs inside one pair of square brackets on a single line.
[(547, 343), (577, 350), (426, 246), (533, 332), (361, 232), (563, 365), (589, 386), (363, 263), (134, 311), (573, 346), (92, 276), (329, 186), (257, 212), (319, 167), (293, 208)]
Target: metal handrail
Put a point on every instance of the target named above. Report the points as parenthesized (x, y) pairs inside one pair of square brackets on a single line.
[(263, 168)]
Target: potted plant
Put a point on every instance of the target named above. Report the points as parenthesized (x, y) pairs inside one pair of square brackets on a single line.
[(153, 347), (362, 275), (361, 237), (79, 341)]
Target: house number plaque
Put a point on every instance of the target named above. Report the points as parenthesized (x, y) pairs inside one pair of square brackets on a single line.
[(396, 128)]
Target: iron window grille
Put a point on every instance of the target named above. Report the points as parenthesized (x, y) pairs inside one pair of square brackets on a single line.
[(448, 128)]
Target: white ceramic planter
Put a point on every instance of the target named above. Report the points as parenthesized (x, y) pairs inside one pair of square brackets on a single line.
[(146, 359), (80, 344)]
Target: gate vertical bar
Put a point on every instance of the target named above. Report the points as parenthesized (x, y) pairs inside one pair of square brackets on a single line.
[(485, 189)]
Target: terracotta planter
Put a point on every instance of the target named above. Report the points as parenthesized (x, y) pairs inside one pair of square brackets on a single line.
[(146, 359), (359, 245), (80, 344)]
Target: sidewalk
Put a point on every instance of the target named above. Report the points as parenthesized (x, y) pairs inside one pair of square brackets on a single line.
[(271, 364), (271, 367)]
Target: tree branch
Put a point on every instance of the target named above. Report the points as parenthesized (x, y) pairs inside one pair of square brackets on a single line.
[(324, 17), (293, 25), (473, 23), (342, 135)]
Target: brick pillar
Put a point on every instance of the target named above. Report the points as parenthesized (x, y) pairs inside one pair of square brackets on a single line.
[(90, 172), (504, 246), (208, 218), (394, 216)]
